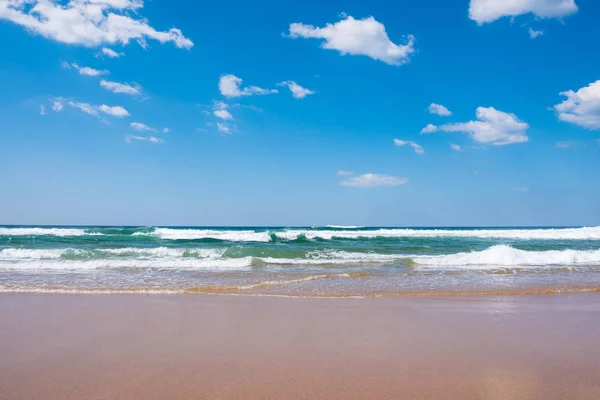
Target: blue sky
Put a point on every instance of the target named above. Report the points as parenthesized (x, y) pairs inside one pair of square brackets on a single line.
[(514, 151)]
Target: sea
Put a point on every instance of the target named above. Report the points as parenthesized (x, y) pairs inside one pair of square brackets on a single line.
[(325, 261)]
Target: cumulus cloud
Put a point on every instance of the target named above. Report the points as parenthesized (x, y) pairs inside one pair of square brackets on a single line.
[(229, 86), (298, 91), (417, 148), (366, 37), (116, 87), (89, 23), (88, 71), (115, 111), (430, 128), (150, 139), (533, 33), (373, 180), (484, 11), (492, 127), (455, 147), (111, 53), (439, 109), (341, 172), (138, 126), (581, 107)]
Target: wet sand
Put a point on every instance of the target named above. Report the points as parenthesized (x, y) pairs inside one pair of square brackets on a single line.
[(236, 347)]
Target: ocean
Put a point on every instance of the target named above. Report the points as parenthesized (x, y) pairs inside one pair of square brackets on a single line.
[(328, 261)]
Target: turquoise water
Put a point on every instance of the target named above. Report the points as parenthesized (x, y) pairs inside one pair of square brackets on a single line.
[(310, 261)]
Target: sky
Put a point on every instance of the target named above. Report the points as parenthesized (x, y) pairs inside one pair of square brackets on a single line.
[(300, 113)]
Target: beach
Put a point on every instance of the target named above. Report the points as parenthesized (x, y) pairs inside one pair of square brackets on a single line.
[(76, 346)]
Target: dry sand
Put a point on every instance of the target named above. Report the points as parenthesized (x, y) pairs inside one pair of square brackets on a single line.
[(228, 347)]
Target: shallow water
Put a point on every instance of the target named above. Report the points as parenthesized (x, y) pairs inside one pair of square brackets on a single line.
[(317, 261)]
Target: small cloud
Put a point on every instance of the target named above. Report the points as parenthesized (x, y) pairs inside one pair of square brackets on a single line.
[(166, 130), (150, 139), (568, 144), (86, 70), (430, 128), (486, 11), (224, 128), (582, 107), (439, 109), (417, 148), (298, 91), (520, 189), (111, 53), (534, 34), (229, 86), (341, 172), (138, 126), (492, 127), (116, 87), (42, 109), (57, 105), (366, 37), (223, 114), (115, 111), (373, 180), (455, 147)]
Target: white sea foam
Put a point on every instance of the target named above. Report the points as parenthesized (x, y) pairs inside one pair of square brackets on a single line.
[(506, 256), (42, 232), (159, 263), (589, 233), (348, 232), (157, 252)]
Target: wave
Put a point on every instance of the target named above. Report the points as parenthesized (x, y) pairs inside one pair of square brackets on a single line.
[(507, 256), (328, 233)]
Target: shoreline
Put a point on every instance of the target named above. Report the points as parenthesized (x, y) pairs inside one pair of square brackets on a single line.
[(254, 347)]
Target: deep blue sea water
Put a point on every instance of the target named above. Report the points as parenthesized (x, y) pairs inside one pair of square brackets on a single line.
[(308, 261)]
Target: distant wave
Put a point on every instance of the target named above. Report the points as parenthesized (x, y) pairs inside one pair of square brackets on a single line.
[(507, 256), (249, 235)]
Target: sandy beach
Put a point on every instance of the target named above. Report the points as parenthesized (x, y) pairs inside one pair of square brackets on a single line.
[(242, 347)]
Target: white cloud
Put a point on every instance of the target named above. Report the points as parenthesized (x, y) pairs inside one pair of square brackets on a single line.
[(373, 180), (439, 109), (43, 110), (581, 107), (417, 148), (166, 130), (229, 85), (116, 111), (138, 126), (298, 91), (341, 172), (430, 128), (223, 114), (111, 53), (455, 147), (57, 105), (150, 139), (358, 37), (224, 128), (484, 11), (86, 70), (117, 87), (85, 107), (492, 127), (533, 33), (88, 23), (569, 143)]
